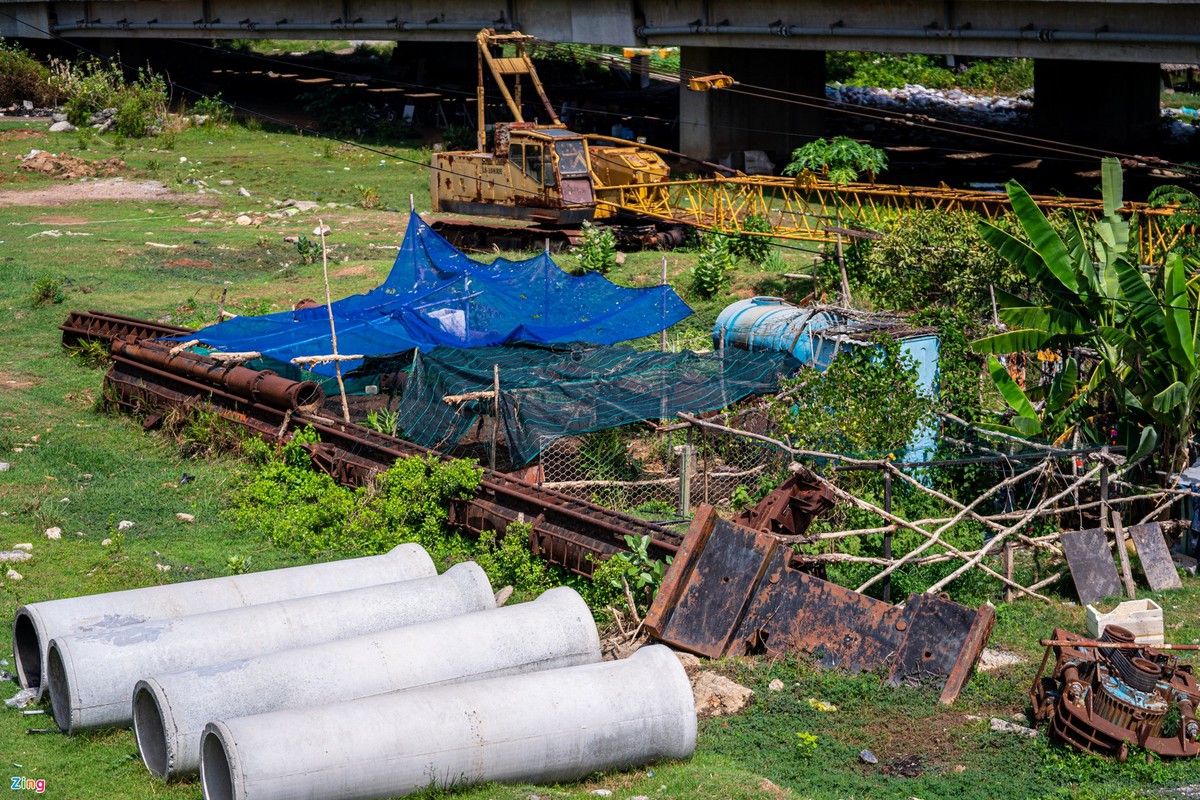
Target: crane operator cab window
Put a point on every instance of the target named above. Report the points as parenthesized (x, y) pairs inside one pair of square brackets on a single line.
[(572, 161), (528, 159)]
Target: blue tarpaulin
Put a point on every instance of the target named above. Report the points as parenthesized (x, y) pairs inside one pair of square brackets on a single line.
[(435, 295)]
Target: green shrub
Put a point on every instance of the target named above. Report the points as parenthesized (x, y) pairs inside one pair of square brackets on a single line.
[(22, 77), (710, 276), (47, 290), (753, 249), (597, 250), (216, 112), (92, 86)]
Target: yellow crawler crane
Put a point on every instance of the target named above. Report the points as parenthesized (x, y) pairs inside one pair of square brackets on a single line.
[(546, 181)]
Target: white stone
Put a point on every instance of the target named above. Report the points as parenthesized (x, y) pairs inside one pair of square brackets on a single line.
[(53, 533), (14, 556), (242, 192), (26, 546), (775, 685), (13, 575), (125, 525), (601, 792), (244, 220), (163, 567), (62, 127), (225, 183), (182, 517), (106, 543), (5, 466), (998, 724)]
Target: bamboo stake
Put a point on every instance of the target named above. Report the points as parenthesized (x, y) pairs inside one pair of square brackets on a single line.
[(1000, 537), (1123, 554), (326, 359), (337, 363)]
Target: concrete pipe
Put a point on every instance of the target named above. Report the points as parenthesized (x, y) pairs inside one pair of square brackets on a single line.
[(91, 676), (170, 711), (37, 623), (538, 728)]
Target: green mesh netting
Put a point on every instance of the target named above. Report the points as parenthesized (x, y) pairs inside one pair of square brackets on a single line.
[(547, 392)]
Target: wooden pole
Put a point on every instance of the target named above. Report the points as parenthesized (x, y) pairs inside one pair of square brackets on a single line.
[(662, 333), (842, 269), (337, 364), (1008, 570), (887, 536), (1123, 555), (495, 411)]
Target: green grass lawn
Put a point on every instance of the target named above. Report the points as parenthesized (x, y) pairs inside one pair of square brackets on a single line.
[(84, 472)]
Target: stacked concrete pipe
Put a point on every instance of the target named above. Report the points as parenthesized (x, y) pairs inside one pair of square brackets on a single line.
[(91, 676), (37, 623), (170, 711), (543, 727)]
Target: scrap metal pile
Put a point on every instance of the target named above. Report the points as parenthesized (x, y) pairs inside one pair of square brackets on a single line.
[(1104, 696)]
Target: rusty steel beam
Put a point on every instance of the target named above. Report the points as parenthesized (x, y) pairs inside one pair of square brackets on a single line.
[(104, 327), (732, 591)]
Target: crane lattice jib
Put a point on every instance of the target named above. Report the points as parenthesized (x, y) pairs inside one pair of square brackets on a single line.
[(809, 210)]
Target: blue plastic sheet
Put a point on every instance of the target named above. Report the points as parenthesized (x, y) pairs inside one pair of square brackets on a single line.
[(435, 295)]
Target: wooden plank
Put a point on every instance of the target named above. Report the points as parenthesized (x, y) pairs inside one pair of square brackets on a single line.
[(1123, 554), (1091, 563), (1156, 559)]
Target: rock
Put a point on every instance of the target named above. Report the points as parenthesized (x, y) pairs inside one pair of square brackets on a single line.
[(1005, 726), (182, 517), (106, 543), (601, 792), (58, 117), (322, 230), (13, 556), (27, 105), (163, 567), (867, 757), (775, 685), (242, 192), (26, 546), (992, 660), (53, 533), (125, 525), (5, 466), (503, 595), (639, 797), (225, 183), (13, 575), (690, 662), (244, 220), (717, 696), (80, 533), (62, 127)]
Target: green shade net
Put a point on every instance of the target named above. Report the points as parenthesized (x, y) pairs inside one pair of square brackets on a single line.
[(547, 392)]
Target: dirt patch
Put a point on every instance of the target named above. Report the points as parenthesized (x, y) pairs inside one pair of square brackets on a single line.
[(107, 189), (188, 263), (71, 168), (357, 269), (59, 219), (11, 380), (21, 133)]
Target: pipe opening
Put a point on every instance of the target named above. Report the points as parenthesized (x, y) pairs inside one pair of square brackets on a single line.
[(309, 396), (216, 777), (27, 651), (59, 688), (150, 731)]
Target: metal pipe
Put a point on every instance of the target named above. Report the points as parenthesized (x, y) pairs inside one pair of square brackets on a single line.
[(379, 26), (91, 675), (543, 728), (838, 31), (170, 711), (37, 623)]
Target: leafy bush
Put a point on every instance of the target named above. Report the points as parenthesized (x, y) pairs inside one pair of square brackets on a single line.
[(459, 137), (597, 250), (994, 75), (216, 112), (22, 77), (754, 249), (839, 160), (710, 276), (47, 290), (931, 258), (92, 85)]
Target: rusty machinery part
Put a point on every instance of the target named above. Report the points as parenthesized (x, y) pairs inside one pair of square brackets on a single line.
[(566, 531), (790, 508), (255, 386), (104, 327), (731, 591), (1103, 700)]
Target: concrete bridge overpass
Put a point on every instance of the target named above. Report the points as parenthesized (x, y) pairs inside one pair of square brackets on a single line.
[(1096, 61)]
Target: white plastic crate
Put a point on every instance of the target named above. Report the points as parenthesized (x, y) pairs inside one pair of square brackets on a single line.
[(1142, 618)]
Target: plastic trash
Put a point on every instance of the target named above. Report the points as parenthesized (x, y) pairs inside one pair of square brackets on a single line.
[(21, 699)]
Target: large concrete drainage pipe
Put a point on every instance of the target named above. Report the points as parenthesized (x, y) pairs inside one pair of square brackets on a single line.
[(542, 727), (170, 711), (37, 623), (91, 675)]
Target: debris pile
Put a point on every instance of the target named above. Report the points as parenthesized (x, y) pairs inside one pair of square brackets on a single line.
[(1104, 696), (69, 167)]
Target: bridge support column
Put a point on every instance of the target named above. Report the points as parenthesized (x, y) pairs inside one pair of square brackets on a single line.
[(714, 123), (1100, 103)]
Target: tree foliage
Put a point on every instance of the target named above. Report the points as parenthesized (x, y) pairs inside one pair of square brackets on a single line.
[(840, 160)]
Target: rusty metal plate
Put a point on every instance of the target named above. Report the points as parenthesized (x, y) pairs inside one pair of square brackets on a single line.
[(1091, 563), (732, 591), (1156, 559)]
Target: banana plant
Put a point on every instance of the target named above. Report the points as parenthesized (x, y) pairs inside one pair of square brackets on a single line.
[(1143, 329), (1056, 417)]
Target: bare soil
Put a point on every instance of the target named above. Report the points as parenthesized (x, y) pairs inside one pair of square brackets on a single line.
[(105, 189)]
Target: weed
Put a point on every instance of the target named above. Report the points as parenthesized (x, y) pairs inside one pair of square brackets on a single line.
[(200, 432), (47, 291), (753, 249), (90, 352), (634, 571), (368, 196), (806, 744), (309, 249), (384, 420), (710, 276), (214, 111), (597, 251), (139, 102), (237, 565)]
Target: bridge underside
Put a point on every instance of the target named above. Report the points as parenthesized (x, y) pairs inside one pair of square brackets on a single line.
[(1095, 74)]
